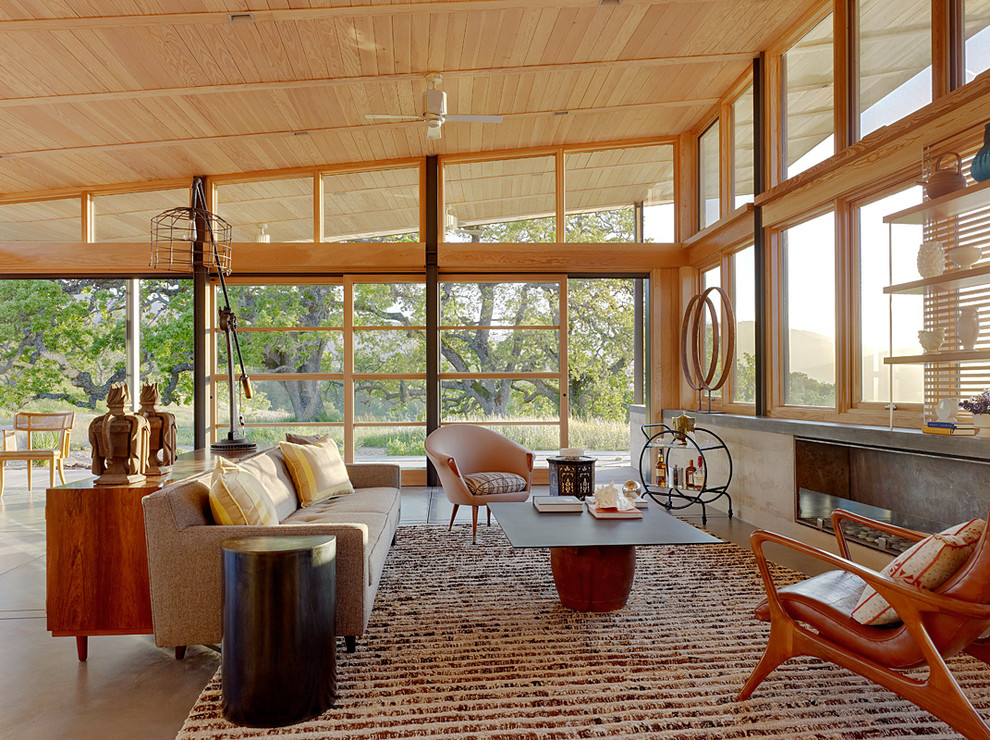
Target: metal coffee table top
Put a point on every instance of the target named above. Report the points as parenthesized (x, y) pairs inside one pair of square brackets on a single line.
[(527, 527)]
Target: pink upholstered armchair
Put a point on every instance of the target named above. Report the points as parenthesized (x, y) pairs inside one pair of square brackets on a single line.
[(463, 454)]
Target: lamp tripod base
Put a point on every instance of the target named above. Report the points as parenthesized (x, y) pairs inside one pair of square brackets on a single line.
[(233, 445)]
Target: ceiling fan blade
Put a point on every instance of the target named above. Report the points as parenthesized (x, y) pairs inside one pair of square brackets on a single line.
[(433, 132), (388, 117), (473, 119)]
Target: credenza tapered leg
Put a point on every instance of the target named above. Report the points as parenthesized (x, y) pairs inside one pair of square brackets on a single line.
[(82, 647)]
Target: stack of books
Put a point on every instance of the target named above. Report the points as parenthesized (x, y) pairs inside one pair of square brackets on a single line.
[(949, 427), (613, 513), (557, 503)]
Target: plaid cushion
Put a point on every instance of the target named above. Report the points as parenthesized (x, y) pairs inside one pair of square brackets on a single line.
[(486, 484)]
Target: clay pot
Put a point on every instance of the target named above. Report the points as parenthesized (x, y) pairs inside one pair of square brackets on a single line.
[(945, 180)]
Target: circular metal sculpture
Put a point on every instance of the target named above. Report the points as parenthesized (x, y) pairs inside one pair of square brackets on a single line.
[(693, 329)]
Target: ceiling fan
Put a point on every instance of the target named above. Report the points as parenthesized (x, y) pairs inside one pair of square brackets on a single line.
[(435, 111)]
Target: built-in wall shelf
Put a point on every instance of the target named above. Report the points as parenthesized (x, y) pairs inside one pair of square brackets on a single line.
[(971, 278), (961, 201), (958, 355)]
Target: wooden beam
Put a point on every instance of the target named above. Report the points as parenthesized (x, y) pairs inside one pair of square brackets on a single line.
[(572, 258), (186, 142), (729, 232), (303, 14), (308, 84), (131, 259)]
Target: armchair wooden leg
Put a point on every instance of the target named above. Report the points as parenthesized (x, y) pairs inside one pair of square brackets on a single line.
[(61, 471), (51, 474), (474, 525), (29, 474), (1, 478), (180, 652), (452, 515), (350, 643), (489, 515), (774, 654)]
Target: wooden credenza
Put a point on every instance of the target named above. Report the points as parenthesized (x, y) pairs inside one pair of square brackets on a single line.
[(97, 581)]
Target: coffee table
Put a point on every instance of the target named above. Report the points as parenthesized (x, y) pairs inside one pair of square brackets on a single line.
[(593, 560)]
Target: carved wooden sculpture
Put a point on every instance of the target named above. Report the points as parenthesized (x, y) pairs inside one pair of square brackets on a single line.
[(163, 431), (120, 442)]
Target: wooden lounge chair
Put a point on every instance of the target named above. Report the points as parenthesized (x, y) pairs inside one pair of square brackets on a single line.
[(26, 421), (813, 617)]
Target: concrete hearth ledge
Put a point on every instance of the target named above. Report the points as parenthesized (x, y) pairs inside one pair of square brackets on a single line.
[(907, 440)]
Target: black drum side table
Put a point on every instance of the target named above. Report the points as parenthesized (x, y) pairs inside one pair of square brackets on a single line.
[(572, 476), (278, 660)]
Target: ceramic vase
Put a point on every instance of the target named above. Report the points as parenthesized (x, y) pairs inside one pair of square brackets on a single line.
[(931, 259), (979, 168), (968, 327)]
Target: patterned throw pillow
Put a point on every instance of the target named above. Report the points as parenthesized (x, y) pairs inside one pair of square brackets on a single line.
[(928, 564), (237, 497), (486, 484), (317, 470)]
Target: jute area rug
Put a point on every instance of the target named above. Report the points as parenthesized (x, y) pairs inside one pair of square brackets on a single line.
[(470, 643)]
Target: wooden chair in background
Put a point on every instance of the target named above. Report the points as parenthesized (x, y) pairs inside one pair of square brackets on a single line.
[(32, 423), (813, 617)]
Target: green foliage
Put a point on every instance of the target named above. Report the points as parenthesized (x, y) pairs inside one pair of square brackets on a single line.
[(803, 390)]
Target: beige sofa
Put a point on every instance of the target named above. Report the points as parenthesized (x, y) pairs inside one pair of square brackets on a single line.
[(185, 559)]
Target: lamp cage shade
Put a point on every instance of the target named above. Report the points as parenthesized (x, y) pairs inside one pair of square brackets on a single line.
[(175, 233)]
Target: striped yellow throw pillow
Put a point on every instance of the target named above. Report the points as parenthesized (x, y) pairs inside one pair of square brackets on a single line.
[(317, 471), (237, 497)]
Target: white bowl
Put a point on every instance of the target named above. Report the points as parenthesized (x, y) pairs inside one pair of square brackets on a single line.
[(572, 452), (965, 257)]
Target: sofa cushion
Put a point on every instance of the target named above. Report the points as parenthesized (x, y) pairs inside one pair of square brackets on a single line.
[(317, 471), (928, 564), (489, 484), (270, 470), (237, 497)]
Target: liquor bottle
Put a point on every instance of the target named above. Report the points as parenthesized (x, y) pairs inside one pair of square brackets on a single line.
[(676, 477), (660, 472), (689, 474), (699, 474)]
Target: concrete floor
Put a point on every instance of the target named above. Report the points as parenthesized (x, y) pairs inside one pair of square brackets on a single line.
[(129, 688)]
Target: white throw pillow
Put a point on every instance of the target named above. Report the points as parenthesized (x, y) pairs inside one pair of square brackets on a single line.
[(928, 564)]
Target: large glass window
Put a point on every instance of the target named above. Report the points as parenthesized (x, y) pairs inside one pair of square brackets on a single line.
[(126, 217), (268, 210), (742, 149), (42, 221), (500, 358), (808, 252), (604, 190), (291, 338), (895, 58), (708, 176), (600, 365), (809, 136), (389, 371), (501, 200), (744, 308), (167, 348), (61, 348), (977, 30), (874, 306), (372, 205)]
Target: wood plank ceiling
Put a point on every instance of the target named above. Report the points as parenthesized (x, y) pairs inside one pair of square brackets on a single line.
[(98, 93)]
